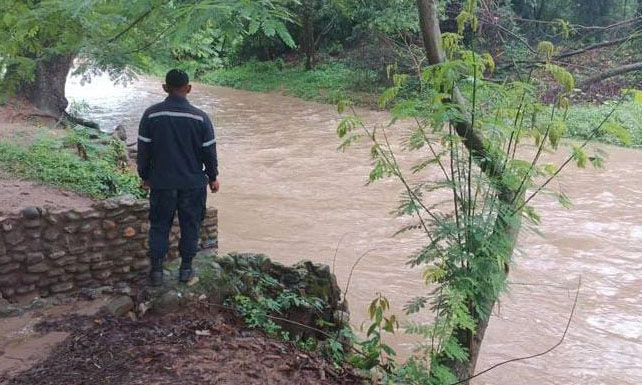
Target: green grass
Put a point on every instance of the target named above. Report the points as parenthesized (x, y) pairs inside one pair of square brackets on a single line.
[(56, 162), (582, 119), (327, 83)]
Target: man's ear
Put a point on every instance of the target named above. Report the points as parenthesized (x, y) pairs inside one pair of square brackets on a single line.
[(188, 89), (165, 88)]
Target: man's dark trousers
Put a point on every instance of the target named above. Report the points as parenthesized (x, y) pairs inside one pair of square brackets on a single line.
[(164, 203)]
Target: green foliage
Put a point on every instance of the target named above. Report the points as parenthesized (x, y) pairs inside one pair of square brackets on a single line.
[(261, 300), (374, 352), (546, 49), (264, 296), (624, 128), (117, 35), (389, 17), (57, 162), (470, 239), (327, 83)]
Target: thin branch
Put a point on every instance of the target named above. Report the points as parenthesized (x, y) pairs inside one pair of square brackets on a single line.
[(511, 34), (592, 47), (579, 26), (336, 251), (132, 25), (354, 266)]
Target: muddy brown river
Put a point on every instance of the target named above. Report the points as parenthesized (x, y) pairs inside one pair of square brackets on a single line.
[(287, 192)]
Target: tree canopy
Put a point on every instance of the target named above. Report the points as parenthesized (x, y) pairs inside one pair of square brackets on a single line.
[(40, 39)]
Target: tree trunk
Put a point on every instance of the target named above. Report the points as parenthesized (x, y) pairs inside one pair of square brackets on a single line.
[(307, 24), (617, 71), (47, 91), (507, 224)]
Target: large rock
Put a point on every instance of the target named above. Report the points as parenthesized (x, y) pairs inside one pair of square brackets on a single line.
[(234, 273)]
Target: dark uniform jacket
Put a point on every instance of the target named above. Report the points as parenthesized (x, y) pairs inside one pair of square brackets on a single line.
[(176, 146)]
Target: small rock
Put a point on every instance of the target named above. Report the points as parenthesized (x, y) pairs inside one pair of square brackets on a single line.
[(57, 254), (5, 269), (120, 306), (25, 289), (31, 212), (62, 287), (51, 219), (13, 238), (30, 278), (39, 268), (341, 317), (32, 223), (169, 302), (51, 234), (7, 281), (108, 224), (33, 258), (10, 311), (55, 272), (129, 232), (124, 290), (143, 308), (102, 265), (86, 227), (71, 229), (101, 274), (120, 133), (65, 261), (141, 264), (37, 303)]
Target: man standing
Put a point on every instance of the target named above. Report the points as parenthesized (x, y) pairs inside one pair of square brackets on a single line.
[(176, 161)]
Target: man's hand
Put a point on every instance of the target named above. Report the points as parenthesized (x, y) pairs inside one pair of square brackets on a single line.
[(145, 185), (215, 186)]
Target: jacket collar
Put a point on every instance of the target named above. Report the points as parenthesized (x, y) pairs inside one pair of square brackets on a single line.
[(176, 99)]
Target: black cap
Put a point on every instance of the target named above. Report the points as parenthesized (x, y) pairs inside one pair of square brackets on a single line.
[(176, 78)]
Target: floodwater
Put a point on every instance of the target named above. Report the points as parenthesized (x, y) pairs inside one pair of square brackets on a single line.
[(287, 192)]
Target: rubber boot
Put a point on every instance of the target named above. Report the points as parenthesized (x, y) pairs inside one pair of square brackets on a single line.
[(156, 274), (186, 272)]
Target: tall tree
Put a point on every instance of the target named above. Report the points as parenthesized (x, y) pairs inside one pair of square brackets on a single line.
[(40, 40), (508, 223)]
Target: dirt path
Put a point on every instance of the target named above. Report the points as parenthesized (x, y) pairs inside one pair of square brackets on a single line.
[(195, 347), (16, 194)]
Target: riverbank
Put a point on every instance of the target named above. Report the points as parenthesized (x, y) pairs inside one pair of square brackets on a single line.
[(334, 81), (78, 160), (216, 329)]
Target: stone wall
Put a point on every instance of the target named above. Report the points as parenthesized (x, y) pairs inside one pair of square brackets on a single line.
[(48, 252)]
